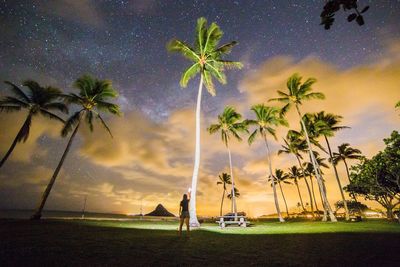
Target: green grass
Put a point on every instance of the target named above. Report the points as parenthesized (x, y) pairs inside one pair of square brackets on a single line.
[(112, 243)]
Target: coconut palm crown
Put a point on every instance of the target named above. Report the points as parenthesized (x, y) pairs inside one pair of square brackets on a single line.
[(38, 100), (229, 124), (267, 118), (206, 55), (92, 99)]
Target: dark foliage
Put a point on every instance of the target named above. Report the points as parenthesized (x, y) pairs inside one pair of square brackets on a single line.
[(333, 6)]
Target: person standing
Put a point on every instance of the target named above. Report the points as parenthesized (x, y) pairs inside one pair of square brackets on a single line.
[(184, 214)]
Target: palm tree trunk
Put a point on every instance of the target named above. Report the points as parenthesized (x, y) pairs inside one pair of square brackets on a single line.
[(347, 170), (313, 193), (234, 208), (17, 139), (316, 169), (38, 213), (308, 186), (273, 181), (222, 202), (338, 180), (284, 199), (192, 204), (348, 177), (298, 191)]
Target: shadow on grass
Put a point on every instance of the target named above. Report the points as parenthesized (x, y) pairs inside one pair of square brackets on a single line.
[(75, 243)]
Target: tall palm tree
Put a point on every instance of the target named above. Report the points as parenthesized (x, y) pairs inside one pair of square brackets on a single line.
[(92, 99), (328, 126), (345, 151), (38, 100), (295, 174), (229, 125), (297, 94), (224, 179), (267, 118), (279, 178), (207, 60), (294, 144)]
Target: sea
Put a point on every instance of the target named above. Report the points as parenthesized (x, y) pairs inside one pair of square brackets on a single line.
[(57, 214)]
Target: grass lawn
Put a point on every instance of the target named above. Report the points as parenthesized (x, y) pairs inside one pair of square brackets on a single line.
[(112, 243)]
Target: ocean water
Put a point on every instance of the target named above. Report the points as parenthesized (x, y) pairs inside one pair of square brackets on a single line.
[(54, 214)]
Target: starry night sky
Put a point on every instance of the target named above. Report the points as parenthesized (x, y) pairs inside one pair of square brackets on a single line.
[(54, 42)]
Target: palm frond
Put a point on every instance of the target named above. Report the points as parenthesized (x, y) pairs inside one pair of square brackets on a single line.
[(252, 137), (71, 123), (189, 73), (208, 82), (9, 108), (231, 64), (18, 92), (56, 106), (107, 106), (105, 125), (50, 115), (184, 49), (225, 48)]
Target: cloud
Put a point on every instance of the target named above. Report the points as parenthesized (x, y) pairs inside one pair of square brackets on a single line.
[(40, 127), (82, 11)]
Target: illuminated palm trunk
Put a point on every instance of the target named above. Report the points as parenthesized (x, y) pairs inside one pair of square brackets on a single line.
[(338, 180), (192, 204), (273, 181), (234, 209), (325, 203)]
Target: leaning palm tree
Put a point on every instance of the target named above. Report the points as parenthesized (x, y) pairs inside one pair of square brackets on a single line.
[(206, 57), (345, 151), (224, 179), (267, 118), (39, 100), (279, 178), (328, 126), (92, 99), (229, 125), (297, 94)]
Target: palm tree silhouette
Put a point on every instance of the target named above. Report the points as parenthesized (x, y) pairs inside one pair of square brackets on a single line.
[(328, 125), (297, 93), (237, 194), (92, 99), (279, 178), (206, 57), (39, 100), (229, 125), (224, 179), (309, 171), (295, 174), (294, 144), (266, 119), (345, 151)]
